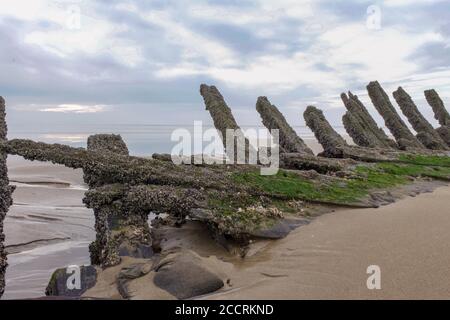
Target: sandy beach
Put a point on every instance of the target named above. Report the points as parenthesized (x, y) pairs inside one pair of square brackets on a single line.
[(328, 258), (48, 227)]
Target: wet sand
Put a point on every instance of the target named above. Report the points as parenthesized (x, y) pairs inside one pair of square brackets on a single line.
[(328, 259), (47, 227)]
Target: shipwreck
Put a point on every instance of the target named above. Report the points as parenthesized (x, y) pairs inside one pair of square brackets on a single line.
[(235, 202)]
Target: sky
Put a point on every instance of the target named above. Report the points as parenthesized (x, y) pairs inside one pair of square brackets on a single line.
[(69, 63)]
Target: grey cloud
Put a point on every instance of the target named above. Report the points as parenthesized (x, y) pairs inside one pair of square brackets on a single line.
[(31, 75)]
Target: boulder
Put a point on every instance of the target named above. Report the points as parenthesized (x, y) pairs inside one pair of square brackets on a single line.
[(58, 285), (184, 275), (129, 273)]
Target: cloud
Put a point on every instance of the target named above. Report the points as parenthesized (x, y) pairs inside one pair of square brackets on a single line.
[(400, 3), (154, 54), (75, 108)]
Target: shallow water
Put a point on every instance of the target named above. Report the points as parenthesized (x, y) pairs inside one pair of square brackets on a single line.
[(29, 271), (48, 227)]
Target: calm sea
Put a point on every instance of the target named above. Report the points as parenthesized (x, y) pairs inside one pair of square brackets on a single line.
[(142, 140)]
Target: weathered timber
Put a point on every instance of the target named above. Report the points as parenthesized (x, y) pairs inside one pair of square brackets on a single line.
[(440, 114), (296, 161), (373, 135), (272, 118), (355, 129), (299, 161), (330, 140), (303, 160), (107, 143), (110, 168), (5, 195), (381, 101), (118, 232), (336, 147), (425, 131), (226, 124), (444, 132)]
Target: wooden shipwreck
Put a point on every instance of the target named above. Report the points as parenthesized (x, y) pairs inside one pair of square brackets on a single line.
[(234, 201)]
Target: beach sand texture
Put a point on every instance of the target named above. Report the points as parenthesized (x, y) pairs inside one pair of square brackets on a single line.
[(328, 259)]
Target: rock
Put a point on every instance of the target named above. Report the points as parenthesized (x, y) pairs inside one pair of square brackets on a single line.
[(139, 250), (272, 118), (426, 133), (184, 275), (129, 273), (330, 140), (280, 229), (392, 120), (58, 285)]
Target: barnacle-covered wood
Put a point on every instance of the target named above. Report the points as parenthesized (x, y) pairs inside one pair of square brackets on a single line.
[(118, 232), (330, 140), (107, 142), (5, 195), (425, 131), (398, 128), (440, 114), (360, 125), (110, 168), (223, 121), (297, 161), (356, 131), (301, 159), (335, 146), (272, 118)]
